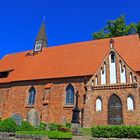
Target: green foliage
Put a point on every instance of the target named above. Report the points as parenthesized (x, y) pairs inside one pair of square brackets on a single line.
[(59, 135), (26, 126), (32, 133), (53, 126), (86, 131), (138, 28), (68, 125), (42, 126), (116, 28), (58, 127), (8, 125), (63, 128), (116, 131)]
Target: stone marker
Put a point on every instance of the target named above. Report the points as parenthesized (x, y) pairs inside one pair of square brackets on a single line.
[(75, 124), (33, 117), (17, 118), (64, 120)]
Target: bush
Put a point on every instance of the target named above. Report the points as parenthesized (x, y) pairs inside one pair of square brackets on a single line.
[(116, 131), (8, 125), (42, 126), (58, 127), (68, 125), (63, 128), (53, 126), (59, 135), (26, 126)]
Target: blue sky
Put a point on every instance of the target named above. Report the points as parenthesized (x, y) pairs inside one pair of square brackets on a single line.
[(67, 21)]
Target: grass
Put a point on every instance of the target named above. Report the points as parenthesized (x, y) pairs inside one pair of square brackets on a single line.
[(54, 134), (86, 131), (32, 133), (50, 134), (59, 135)]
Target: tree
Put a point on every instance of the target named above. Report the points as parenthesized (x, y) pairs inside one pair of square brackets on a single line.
[(138, 28), (116, 28)]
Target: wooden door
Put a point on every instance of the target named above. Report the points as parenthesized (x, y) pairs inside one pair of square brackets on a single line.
[(115, 111)]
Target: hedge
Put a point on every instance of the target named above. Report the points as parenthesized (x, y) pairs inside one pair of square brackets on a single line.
[(8, 125), (116, 131), (59, 135)]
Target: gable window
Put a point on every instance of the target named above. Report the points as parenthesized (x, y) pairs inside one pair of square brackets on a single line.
[(99, 104), (135, 79), (122, 73), (130, 103), (130, 77), (38, 45), (112, 58), (69, 95), (103, 74), (96, 80), (112, 68), (32, 96)]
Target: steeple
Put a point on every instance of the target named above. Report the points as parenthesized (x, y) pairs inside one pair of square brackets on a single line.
[(41, 39)]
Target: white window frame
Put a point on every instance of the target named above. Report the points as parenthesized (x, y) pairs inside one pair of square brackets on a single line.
[(130, 77), (96, 80), (112, 68), (130, 103), (103, 74), (38, 44), (98, 104)]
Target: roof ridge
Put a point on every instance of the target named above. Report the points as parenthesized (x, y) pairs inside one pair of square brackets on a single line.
[(70, 44)]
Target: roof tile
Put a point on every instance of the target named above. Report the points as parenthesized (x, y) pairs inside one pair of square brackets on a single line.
[(77, 59)]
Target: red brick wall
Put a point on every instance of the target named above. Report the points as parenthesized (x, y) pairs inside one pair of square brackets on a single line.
[(101, 117), (13, 98), (121, 90)]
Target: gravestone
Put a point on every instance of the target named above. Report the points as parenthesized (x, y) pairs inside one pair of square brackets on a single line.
[(33, 117), (17, 118)]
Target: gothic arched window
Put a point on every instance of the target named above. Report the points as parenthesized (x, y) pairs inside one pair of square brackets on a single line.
[(130, 103), (112, 68), (130, 77), (69, 95), (112, 57), (122, 73), (32, 95), (98, 104), (135, 79), (96, 80), (103, 74)]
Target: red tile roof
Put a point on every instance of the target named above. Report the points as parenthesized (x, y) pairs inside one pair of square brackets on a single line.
[(77, 59)]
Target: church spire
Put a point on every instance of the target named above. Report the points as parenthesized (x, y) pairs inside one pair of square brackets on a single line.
[(41, 39)]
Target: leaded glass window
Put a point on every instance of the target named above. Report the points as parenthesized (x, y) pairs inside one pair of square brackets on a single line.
[(32, 95), (69, 95)]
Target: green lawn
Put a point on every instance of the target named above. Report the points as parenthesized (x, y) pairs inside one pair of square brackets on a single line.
[(50, 134), (33, 133)]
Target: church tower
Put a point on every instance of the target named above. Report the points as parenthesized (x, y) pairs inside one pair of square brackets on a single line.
[(41, 39)]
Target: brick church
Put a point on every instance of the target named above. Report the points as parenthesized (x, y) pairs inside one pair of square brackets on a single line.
[(105, 72)]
